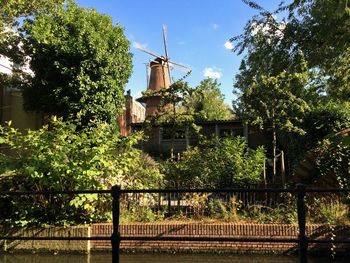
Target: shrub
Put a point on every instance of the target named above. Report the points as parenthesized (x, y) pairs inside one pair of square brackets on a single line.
[(218, 163), (63, 156), (323, 120)]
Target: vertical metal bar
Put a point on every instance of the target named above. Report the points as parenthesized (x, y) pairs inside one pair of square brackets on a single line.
[(115, 240), (169, 205), (301, 208)]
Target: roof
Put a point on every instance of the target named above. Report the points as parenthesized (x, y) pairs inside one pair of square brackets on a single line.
[(201, 122)]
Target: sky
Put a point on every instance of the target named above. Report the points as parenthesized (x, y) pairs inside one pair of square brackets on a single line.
[(197, 35)]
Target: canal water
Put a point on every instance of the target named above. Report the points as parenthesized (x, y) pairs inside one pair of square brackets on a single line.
[(161, 258)]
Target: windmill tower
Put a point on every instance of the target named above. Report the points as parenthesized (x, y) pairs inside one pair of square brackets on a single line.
[(160, 77)]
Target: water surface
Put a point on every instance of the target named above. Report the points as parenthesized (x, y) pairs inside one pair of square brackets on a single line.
[(161, 258)]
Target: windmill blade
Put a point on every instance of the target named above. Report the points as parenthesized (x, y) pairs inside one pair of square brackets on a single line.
[(166, 52), (178, 64), (185, 70), (147, 74), (149, 52), (165, 43)]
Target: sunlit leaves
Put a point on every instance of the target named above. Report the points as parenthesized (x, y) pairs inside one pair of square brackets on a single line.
[(81, 62), (63, 156)]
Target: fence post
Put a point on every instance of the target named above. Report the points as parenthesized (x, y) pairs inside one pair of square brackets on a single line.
[(115, 240), (301, 209)]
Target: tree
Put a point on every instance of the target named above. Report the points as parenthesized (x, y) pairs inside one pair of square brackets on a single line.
[(80, 63), (322, 30), (206, 102), (308, 45), (319, 29), (11, 12), (274, 103), (271, 85)]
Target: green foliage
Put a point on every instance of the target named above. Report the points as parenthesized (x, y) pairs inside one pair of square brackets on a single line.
[(339, 80), (334, 162), (276, 101), (206, 102), (323, 120), (329, 211), (218, 163), (224, 210), (80, 61), (307, 44), (136, 212), (11, 10), (12, 14), (322, 30), (64, 157)]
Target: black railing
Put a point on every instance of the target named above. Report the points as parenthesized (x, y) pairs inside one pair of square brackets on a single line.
[(300, 191)]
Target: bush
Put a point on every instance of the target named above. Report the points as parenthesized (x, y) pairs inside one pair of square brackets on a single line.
[(63, 156), (217, 163), (333, 165), (323, 120)]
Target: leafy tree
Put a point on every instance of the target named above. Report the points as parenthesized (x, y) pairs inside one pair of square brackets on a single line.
[(12, 13), (80, 63), (308, 44), (274, 95), (319, 29), (322, 30), (67, 157), (218, 163), (206, 102), (12, 10)]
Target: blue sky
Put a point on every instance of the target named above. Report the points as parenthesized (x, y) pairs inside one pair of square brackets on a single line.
[(197, 32)]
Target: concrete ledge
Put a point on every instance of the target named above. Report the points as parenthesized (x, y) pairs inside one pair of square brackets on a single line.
[(69, 246)]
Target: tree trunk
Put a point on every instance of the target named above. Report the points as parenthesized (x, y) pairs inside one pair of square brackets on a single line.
[(274, 152), (172, 156), (283, 170)]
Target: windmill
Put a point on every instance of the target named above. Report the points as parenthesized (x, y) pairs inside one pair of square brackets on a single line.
[(160, 77)]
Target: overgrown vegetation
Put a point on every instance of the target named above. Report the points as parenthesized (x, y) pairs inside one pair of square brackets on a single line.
[(63, 156), (218, 163), (293, 81)]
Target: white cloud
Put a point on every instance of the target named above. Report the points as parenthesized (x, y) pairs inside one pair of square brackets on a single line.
[(228, 45), (139, 45), (215, 26), (213, 73)]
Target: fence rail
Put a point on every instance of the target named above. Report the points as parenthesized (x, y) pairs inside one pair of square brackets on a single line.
[(300, 193)]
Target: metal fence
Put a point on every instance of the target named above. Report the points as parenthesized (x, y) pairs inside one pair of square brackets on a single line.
[(299, 192)]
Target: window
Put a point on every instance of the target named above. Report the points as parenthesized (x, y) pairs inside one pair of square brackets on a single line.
[(178, 134), (227, 132)]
